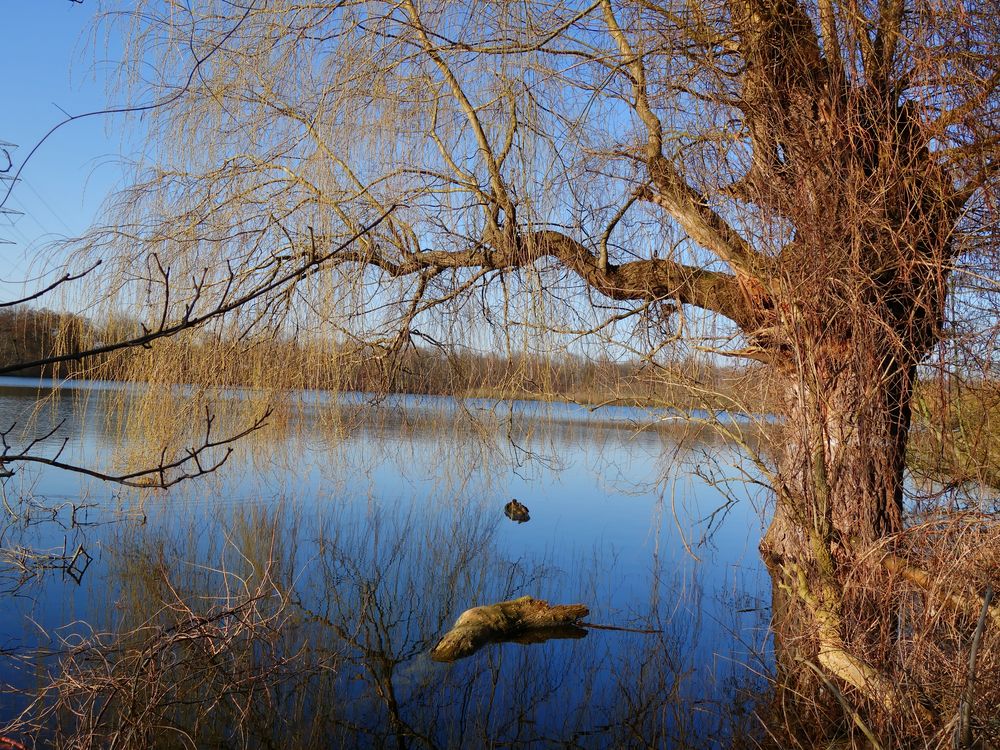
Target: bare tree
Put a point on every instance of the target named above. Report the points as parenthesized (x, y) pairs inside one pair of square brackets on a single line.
[(816, 177)]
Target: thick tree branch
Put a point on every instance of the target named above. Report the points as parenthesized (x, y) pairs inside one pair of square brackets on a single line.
[(778, 42), (635, 65), (831, 40), (887, 34), (673, 193), (784, 81), (500, 194), (703, 225), (645, 280)]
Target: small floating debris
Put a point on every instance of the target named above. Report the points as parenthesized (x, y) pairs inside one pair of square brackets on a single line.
[(516, 511), (523, 620)]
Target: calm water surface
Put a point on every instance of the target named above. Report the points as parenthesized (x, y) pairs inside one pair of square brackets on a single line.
[(359, 548)]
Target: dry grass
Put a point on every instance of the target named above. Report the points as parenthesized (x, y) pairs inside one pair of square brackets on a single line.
[(930, 591)]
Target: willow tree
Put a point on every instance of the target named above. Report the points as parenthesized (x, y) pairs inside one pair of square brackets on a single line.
[(807, 174)]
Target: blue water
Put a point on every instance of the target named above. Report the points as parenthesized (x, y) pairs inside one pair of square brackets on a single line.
[(381, 536)]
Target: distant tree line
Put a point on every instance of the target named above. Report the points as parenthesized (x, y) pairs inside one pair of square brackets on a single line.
[(28, 334)]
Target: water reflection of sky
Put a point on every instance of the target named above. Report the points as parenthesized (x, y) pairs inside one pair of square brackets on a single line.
[(614, 513)]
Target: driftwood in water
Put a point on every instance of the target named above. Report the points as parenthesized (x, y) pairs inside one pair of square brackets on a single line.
[(524, 620)]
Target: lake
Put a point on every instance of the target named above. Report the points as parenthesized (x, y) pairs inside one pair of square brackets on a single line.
[(292, 597)]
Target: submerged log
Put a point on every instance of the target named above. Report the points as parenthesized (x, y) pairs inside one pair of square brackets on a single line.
[(524, 620)]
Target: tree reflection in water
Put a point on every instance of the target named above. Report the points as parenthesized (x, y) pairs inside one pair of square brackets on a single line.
[(236, 618), (274, 637)]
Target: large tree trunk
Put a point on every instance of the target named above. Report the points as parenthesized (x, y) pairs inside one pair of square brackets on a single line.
[(840, 488), (840, 465)]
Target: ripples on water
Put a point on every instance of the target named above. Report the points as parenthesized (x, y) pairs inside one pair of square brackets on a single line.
[(349, 557)]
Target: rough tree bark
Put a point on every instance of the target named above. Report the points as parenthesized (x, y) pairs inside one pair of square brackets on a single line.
[(841, 489)]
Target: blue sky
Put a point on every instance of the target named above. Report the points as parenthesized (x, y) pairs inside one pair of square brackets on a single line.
[(49, 66)]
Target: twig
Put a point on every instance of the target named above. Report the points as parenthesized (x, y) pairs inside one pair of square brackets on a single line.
[(618, 627), (963, 734), (855, 717)]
